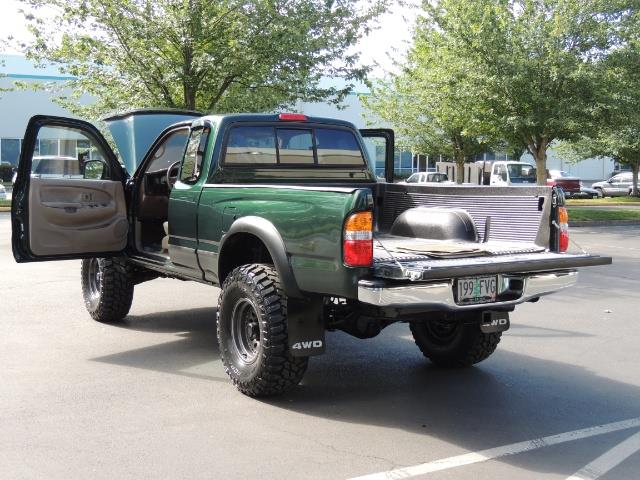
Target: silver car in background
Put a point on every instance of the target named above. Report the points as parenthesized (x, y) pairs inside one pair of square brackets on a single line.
[(617, 186)]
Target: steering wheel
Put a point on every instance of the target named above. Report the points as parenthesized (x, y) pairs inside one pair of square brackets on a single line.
[(172, 177)]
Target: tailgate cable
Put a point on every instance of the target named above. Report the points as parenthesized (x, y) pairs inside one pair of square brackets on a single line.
[(555, 224), (412, 274)]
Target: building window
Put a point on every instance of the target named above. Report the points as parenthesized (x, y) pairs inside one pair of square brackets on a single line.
[(406, 160), (10, 150)]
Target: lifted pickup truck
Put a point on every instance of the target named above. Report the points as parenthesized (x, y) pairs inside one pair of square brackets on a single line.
[(285, 213)]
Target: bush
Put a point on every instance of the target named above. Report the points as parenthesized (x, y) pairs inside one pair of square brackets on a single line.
[(6, 171)]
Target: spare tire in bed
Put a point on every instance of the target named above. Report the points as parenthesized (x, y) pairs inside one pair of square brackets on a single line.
[(436, 224)]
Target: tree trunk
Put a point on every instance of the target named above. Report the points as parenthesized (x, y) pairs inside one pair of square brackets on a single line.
[(538, 149), (189, 98), (635, 166), (541, 166), (460, 167)]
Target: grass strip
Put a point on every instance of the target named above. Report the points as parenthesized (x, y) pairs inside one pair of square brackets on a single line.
[(610, 201), (594, 214)]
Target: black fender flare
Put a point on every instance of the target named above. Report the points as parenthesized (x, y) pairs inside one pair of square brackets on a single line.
[(269, 235)]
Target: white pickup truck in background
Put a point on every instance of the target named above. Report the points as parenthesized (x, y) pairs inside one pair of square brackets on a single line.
[(494, 173)]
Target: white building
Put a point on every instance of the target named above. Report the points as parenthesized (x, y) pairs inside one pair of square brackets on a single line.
[(17, 106)]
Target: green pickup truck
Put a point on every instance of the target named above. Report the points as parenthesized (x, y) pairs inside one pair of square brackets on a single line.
[(286, 215)]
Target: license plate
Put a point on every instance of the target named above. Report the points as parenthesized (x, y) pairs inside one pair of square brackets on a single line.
[(477, 289)]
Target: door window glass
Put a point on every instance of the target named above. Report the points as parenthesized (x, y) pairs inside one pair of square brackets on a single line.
[(375, 147), (194, 156), (251, 145), (65, 152), (48, 146), (83, 147)]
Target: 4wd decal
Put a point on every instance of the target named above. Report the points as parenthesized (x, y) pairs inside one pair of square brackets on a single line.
[(494, 322), (306, 345)]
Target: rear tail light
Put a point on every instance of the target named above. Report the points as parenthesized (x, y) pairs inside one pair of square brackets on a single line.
[(358, 240), (563, 222), (292, 117)]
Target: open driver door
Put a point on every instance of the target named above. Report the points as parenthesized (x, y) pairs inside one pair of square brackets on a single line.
[(68, 200)]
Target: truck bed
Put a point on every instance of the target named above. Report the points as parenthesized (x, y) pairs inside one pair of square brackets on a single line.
[(518, 240), (517, 213)]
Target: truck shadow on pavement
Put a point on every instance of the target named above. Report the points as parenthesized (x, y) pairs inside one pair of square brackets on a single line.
[(509, 398), (386, 382), (191, 354)]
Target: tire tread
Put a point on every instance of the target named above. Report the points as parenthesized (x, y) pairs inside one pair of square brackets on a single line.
[(476, 347), (279, 370), (116, 290)]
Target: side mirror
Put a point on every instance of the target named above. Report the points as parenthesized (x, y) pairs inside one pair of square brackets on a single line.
[(94, 169), (503, 175)]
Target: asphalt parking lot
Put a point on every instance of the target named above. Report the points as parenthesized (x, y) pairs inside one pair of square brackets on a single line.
[(149, 398)]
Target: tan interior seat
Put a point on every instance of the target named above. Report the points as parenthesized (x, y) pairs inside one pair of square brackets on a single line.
[(165, 239)]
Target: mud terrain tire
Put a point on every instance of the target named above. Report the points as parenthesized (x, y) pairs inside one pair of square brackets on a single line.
[(107, 288), (454, 344), (252, 332)]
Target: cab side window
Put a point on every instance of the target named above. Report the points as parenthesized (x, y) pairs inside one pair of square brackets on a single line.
[(502, 171), (194, 155), (169, 151)]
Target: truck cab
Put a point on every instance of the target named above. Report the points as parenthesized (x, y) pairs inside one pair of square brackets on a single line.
[(506, 173)]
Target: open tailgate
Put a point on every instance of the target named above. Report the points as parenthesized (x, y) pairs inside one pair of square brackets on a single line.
[(401, 258)]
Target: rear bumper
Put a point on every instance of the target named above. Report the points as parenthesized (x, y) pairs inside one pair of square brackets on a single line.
[(439, 295)]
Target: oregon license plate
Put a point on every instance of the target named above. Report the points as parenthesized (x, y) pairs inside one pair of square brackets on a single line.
[(477, 289)]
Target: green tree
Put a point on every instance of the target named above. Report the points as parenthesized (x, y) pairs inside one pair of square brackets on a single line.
[(209, 55), (522, 72), (617, 116), (426, 102)]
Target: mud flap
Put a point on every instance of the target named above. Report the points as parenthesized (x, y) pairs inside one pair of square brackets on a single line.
[(305, 325), (494, 322)]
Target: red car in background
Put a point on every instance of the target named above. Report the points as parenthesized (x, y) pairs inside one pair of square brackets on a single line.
[(559, 178)]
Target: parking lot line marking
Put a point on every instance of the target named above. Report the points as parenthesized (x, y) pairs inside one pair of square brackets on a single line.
[(608, 460), (496, 452)]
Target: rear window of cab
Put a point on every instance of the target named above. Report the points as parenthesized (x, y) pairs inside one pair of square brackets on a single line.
[(267, 145)]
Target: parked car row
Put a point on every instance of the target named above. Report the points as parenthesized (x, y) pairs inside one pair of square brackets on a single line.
[(618, 185)]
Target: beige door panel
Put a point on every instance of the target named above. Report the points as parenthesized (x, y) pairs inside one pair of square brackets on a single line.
[(72, 216)]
